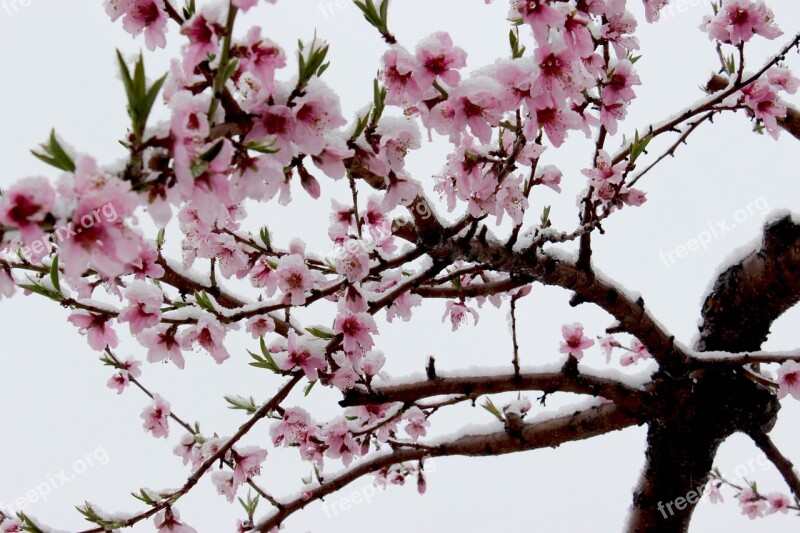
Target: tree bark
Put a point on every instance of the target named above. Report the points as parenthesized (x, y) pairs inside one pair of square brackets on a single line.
[(703, 408)]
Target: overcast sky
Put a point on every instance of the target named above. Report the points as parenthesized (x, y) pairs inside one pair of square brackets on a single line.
[(61, 425)]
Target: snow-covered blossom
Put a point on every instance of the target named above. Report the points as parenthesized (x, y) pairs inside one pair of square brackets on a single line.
[(636, 353), (304, 353), (260, 325), (292, 429), (416, 423), (156, 417), (144, 306), (148, 16), (738, 20), (294, 278), (209, 333), (168, 521), (357, 329)]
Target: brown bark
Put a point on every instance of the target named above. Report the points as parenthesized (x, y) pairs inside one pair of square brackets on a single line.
[(704, 408)]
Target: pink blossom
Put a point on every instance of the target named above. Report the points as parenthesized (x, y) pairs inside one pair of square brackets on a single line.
[(294, 278), (549, 176), (372, 363), (315, 114), (248, 463), (766, 105), (778, 503), (97, 328), (344, 378), (146, 265), (789, 380), (457, 311), (186, 449), (304, 353), (144, 306), (209, 333), (714, 495), (260, 325), (263, 276), (438, 58), (261, 57), (292, 429), (652, 9), (608, 343), (225, 483), (637, 352), (7, 286), (417, 422), (398, 73), (751, 504), (337, 436), (161, 343), (11, 525), (97, 235), (510, 199), (245, 5), (357, 329), (156, 417), (619, 85), (574, 341), (738, 20), (539, 15), (202, 30), (782, 78), (118, 382), (401, 306), (24, 206), (353, 261), (619, 28), (474, 104), (168, 521), (146, 16)]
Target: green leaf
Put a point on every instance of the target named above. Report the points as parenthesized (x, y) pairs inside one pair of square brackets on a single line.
[(265, 237), (54, 274), (489, 406), (321, 332), (55, 155), (307, 389)]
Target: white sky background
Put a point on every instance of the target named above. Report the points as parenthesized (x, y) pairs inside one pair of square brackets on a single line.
[(59, 70)]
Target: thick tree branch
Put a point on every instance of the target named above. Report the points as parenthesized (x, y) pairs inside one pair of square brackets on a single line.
[(551, 433), (633, 400)]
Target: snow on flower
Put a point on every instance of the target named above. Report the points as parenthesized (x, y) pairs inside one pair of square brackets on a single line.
[(144, 306), (24, 206), (304, 353), (168, 521), (209, 333), (417, 422), (156, 417), (737, 21)]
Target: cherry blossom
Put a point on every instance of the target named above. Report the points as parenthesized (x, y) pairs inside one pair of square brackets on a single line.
[(574, 341), (738, 20), (97, 328), (789, 380), (416, 423), (156, 417), (357, 330), (209, 333), (303, 353), (139, 16), (168, 521), (457, 311), (144, 306), (751, 504), (162, 343), (24, 206), (294, 278)]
